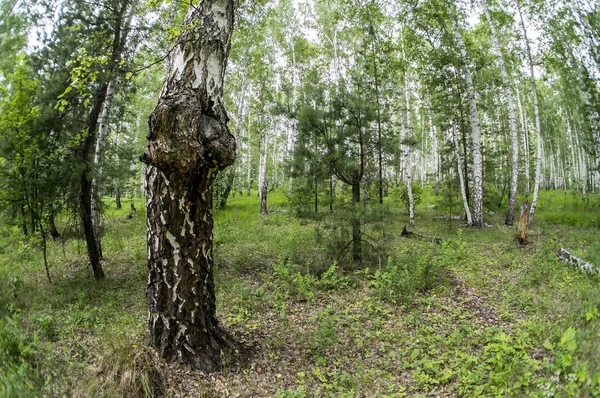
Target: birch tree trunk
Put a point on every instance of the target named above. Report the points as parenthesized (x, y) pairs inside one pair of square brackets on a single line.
[(87, 152), (189, 142), (407, 158), (249, 154), (475, 133), (262, 174), (461, 177), (405, 131), (525, 144), (512, 121), (536, 111), (239, 127), (104, 121)]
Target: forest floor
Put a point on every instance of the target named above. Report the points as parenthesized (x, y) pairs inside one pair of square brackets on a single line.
[(474, 315)]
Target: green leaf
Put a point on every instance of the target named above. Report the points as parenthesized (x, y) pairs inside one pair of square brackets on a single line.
[(548, 345), (413, 355)]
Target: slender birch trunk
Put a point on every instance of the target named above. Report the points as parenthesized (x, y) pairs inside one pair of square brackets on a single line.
[(87, 152), (461, 178), (512, 122), (525, 132), (262, 174), (538, 128), (407, 159), (405, 132), (104, 122), (475, 133)]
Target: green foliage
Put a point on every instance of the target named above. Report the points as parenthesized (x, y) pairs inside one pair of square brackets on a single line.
[(406, 273), (302, 286), (402, 195), (19, 376)]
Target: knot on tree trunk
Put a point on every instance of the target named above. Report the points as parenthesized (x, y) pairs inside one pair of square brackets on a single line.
[(182, 139)]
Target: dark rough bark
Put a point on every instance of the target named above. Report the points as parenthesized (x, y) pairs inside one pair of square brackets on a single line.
[(406, 233), (356, 235), (523, 223), (92, 238), (118, 196), (227, 190), (24, 221), (87, 152), (189, 143), (52, 227)]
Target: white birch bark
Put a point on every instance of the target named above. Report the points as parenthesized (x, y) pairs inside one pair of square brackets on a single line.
[(262, 173), (104, 122), (461, 178), (475, 133), (405, 132), (525, 132), (512, 122), (538, 128), (407, 157)]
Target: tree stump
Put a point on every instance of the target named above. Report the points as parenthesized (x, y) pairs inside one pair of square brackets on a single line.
[(523, 221)]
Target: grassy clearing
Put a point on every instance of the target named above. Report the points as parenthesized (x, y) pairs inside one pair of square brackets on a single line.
[(474, 316)]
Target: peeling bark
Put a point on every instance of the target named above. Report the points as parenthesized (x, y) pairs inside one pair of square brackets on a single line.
[(512, 121), (189, 142), (475, 133), (461, 178), (89, 206), (538, 128)]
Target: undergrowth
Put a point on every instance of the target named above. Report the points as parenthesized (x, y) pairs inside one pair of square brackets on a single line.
[(473, 316)]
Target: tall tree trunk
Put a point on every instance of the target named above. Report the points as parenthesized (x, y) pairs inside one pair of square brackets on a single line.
[(104, 122), (512, 122), (52, 225), (92, 238), (118, 195), (461, 178), (435, 157), (475, 133), (525, 131), (189, 142), (24, 221), (538, 128), (407, 158), (356, 235), (249, 155), (88, 149), (97, 192), (379, 142), (239, 128), (262, 175), (406, 131)]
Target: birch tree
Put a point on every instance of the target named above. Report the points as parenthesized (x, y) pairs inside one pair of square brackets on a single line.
[(512, 122), (475, 133), (188, 143)]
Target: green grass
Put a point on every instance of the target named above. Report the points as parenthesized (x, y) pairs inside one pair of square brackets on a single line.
[(476, 315)]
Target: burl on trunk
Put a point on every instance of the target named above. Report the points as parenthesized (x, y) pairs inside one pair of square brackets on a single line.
[(188, 143)]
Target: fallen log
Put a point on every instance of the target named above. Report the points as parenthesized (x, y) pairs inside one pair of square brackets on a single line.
[(583, 265), (449, 218), (409, 234)]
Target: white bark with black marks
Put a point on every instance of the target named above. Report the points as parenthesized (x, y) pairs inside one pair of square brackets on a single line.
[(461, 178), (475, 133), (188, 143), (536, 111), (512, 121)]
